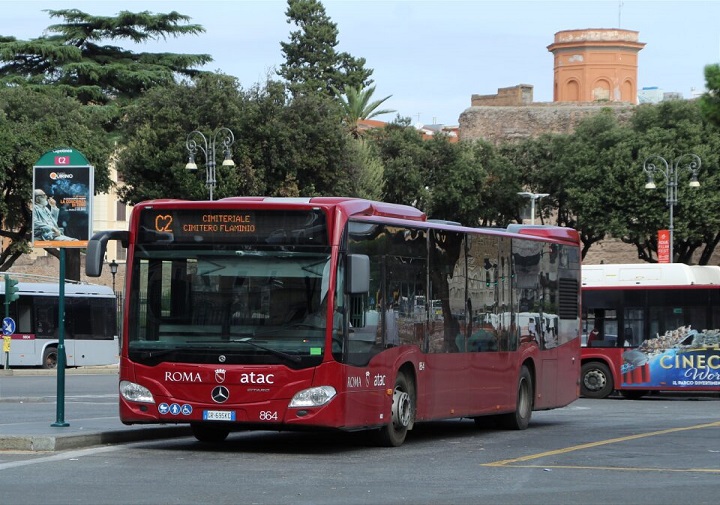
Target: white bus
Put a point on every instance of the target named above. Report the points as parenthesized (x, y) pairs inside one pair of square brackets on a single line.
[(650, 327), (90, 325)]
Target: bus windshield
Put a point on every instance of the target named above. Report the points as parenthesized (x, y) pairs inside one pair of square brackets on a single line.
[(249, 306), (232, 303)]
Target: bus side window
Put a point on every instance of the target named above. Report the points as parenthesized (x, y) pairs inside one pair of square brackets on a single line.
[(46, 317), (626, 338)]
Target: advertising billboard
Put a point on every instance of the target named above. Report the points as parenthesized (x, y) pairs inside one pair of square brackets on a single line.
[(63, 189)]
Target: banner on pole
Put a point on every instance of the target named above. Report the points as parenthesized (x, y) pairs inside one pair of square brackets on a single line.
[(663, 249)]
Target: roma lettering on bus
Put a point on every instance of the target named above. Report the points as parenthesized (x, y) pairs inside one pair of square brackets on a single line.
[(354, 382), (257, 378), (182, 377)]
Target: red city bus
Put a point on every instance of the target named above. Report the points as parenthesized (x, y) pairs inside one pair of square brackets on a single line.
[(303, 313), (650, 327)]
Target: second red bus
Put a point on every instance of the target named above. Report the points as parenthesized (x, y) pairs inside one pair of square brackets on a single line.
[(650, 327)]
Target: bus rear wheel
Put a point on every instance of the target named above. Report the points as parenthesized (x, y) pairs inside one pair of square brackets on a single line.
[(209, 434), (520, 419), (50, 358), (596, 380), (403, 413)]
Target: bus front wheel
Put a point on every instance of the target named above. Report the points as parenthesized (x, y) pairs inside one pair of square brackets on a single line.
[(403, 412), (597, 382), (50, 358)]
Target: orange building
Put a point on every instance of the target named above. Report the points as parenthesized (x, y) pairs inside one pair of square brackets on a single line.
[(596, 65)]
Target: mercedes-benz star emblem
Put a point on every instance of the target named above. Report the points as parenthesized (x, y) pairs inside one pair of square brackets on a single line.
[(220, 394)]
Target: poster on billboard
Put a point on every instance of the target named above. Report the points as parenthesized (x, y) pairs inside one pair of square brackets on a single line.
[(63, 189)]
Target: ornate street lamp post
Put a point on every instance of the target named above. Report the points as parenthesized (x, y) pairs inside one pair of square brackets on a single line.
[(197, 141), (113, 270), (670, 173)]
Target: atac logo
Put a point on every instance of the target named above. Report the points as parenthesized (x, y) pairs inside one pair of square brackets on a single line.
[(220, 375)]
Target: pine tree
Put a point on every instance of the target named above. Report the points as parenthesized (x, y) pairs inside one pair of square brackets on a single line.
[(72, 57), (312, 63)]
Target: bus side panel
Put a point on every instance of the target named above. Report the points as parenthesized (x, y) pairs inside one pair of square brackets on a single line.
[(467, 384), (546, 376), (23, 350), (95, 352), (557, 366), (363, 397)]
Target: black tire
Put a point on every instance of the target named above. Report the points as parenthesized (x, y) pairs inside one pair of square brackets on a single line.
[(596, 380), (403, 413), (209, 434), (50, 358), (634, 394), (520, 419)]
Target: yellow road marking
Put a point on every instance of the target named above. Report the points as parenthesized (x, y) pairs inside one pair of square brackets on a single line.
[(599, 443), (618, 468)]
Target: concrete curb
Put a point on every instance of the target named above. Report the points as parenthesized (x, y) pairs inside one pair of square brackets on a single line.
[(40, 443), (84, 370)]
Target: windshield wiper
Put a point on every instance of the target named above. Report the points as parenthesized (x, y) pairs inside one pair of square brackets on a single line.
[(156, 353), (248, 340)]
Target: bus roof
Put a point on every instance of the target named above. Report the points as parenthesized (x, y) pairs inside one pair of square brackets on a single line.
[(649, 274), (357, 207)]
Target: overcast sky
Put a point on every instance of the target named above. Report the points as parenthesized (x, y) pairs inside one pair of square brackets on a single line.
[(431, 56)]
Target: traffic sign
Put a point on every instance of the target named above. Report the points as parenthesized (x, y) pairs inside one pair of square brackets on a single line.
[(8, 326)]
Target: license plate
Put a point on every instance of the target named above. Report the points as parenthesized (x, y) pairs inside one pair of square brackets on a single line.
[(218, 415)]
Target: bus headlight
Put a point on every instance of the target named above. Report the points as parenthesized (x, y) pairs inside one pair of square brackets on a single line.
[(313, 397), (135, 392)]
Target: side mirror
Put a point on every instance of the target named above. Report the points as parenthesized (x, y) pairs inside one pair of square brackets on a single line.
[(96, 248), (358, 274)]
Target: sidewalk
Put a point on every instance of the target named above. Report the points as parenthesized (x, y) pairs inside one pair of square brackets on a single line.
[(26, 422)]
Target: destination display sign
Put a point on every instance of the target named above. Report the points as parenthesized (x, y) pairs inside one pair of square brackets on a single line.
[(274, 227)]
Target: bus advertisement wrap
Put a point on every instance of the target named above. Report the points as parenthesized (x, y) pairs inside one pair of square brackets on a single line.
[(682, 358)]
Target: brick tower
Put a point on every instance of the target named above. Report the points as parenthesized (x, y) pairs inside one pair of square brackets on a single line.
[(596, 65)]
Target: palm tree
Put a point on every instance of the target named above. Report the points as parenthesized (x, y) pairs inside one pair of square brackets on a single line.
[(357, 106)]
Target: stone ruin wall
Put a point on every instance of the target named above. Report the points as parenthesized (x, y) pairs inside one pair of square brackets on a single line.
[(515, 123)]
